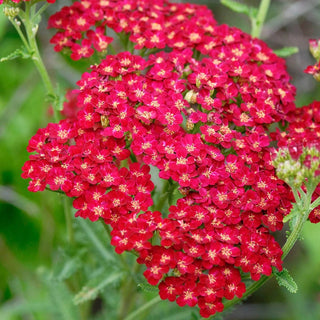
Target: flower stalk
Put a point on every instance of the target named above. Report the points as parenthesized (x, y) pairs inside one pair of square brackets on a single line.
[(258, 22), (29, 18)]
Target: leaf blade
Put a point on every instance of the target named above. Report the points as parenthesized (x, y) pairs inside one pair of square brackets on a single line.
[(284, 279)]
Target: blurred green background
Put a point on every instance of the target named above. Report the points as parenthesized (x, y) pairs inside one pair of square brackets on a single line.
[(33, 237)]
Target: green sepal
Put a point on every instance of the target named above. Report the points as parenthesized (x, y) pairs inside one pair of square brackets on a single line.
[(284, 279), (240, 8), (18, 53), (286, 51)]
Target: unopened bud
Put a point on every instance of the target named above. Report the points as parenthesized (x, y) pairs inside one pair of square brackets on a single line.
[(314, 47), (298, 169), (191, 96), (35, 29), (104, 121), (189, 125), (10, 12), (17, 22)]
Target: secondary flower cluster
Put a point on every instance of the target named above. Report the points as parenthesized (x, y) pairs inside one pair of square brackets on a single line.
[(298, 159), (314, 47), (201, 125), (148, 24)]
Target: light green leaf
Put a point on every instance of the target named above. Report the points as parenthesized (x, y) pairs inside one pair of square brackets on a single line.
[(16, 308), (18, 53), (67, 269), (93, 234), (90, 291), (240, 8), (293, 213), (174, 197), (286, 52), (61, 297), (284, 279)]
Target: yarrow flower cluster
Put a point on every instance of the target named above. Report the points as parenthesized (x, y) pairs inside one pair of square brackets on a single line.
[(201, 124), (149, 24), (298, 159)]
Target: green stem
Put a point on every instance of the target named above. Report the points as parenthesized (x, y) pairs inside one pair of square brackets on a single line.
[(68, 217), (128, 294), (143, 308), (294, 236), (258, 22), (314, 204), (16, 25), (31, 30), (41, 10)]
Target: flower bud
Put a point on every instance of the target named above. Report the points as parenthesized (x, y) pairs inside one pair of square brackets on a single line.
[(104, 121), (314, 47), (35, 29), (10, 12), (296, 170), (191, 96), (189, 125)]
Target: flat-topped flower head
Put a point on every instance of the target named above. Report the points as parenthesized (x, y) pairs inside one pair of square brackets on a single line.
[(201, 124), (147, 24)]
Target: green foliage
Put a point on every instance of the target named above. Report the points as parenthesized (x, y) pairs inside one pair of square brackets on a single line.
[(57, 99), (18, 53), (91, 290), (67, 265), (146, 287), (95, 235), (284, 279), (286, 51), (60, 296), (295, 211), (240, 8)]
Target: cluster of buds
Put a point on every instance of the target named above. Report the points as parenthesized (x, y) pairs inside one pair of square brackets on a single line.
[(298, 167), (314, 47), (298, 158), (11, 12)]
